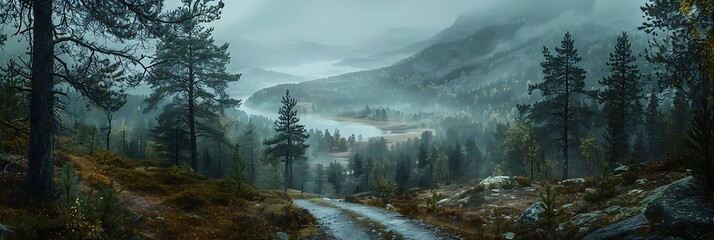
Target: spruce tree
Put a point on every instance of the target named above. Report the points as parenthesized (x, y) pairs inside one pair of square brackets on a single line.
[(190, 69), (654, 125), (621, 98), (563, 82), (289, 144)]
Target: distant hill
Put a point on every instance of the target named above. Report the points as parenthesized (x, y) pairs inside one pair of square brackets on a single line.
[(486, 72)]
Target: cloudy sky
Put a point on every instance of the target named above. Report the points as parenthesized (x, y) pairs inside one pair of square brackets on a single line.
[(349, 22)]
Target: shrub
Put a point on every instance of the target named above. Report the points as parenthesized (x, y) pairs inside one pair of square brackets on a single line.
[(629, 177), (551, 215), (605, 187), (523, 181), (385, 190), (352, 199), (509, 183), (479, 188), (432, 200), (288, 216)]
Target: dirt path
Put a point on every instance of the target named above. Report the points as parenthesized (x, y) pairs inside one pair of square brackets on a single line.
[(403, 227), (333, 221)]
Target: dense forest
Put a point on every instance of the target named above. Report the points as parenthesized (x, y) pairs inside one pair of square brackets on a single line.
[(124, 120)]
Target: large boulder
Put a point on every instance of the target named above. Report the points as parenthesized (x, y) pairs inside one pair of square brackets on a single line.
[(620, 169), (4, 231), (573, 182), (680, 212), (630, 228), (532, 213), (494, 181)]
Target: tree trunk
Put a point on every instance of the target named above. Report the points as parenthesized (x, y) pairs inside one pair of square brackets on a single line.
[(109, 128), (42, 128), (220, 165), (192, 122)]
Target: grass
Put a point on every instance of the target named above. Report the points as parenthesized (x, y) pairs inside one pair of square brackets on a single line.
[(165, 202)]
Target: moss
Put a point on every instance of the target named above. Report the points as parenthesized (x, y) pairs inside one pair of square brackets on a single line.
[(523, 181)]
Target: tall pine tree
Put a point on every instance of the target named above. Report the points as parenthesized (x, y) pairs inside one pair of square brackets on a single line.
[(191, 71), (621, 98), (563, 82), (289, 144), (68, 42)]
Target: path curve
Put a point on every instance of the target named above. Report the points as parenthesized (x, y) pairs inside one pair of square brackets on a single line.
[(333, 221)]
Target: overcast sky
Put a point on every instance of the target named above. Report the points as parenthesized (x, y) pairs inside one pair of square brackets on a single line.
[(349, 22)]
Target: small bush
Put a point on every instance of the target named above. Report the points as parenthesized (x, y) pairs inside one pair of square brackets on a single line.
[(479, 188), (552, 214), (432, 200), (189, 199), (509, 183), (629, 177), (385, 190), (111, 159), (523, 181), (288, 216)]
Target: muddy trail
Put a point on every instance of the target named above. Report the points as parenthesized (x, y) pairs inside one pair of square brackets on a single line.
[(342, 220)]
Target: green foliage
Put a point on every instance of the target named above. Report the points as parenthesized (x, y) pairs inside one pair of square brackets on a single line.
[(238, 167), (621, 98), (385, 190), (521, 148), (289, 144), (432, 200), (190, 69), (552, 214), (563, 81), (605, 186), (523, 181), (700, 144), (70, 188)]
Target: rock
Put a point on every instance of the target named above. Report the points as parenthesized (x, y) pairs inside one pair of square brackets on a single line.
[(573, 181), (640, 182), (443, 202), (531, 213), (620, 169), (494, 180), (679, 212), (390, 207), (509, 236), (4, 231), (585, 219), (282, 236), (625, 229)]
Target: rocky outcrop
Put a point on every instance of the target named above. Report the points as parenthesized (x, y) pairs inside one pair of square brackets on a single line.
[(669, 212), (494, 181), (630, 228), (680, 212), (573, 182), (532, 213)]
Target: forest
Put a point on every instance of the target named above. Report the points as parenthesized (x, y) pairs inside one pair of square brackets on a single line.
[(147, 119)]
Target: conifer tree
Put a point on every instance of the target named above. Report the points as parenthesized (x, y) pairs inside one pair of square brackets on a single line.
[(563, 82), (621, 98), (190, 69), (68, 44), (289, 144)]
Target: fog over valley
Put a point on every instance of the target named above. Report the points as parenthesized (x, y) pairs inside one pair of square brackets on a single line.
[(356, 119)]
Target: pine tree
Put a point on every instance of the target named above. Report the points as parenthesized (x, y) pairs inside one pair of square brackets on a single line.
[(238, 166), (700, 144), (654, 125), (621, 98), (190, 69), (64, 32), (319, 178), (455, 158), (289, 144), (563, 81), (250, 140)]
